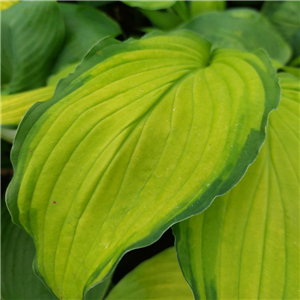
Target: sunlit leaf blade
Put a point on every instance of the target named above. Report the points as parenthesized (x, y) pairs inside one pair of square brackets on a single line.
[(126, 148), (7, 4), (151, 5), (157, 278), (201, 7), (31, 36), (246, 245), (284, 15), (14, 106), (85, 26), (243, 29), (18, 282)]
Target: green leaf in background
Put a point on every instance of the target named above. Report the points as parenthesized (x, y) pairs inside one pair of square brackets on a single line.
[(85, 26), (151, 5), (96, 2), (293, 67), (295, 62), (146, 137), (201, 7), (292, 70), (284, 15), (14, 107), (31, 37), (18, 282), (180, 12), (243, 29), (246, 245), (165, 20), (159, 277)]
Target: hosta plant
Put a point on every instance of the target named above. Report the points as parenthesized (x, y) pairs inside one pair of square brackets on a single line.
[(120, 139)]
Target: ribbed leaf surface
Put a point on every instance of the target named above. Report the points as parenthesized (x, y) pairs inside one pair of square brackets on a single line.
[(246, 245), (127, 147), (243, 29)]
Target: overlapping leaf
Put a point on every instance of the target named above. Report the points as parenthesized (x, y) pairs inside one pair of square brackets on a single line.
[(284, 15), (246, 245), (14, 107), (243, 29), (180, 12), (18, 282), (85, 26), (31, 36), (164, 20), (157, 278), (144, 134)]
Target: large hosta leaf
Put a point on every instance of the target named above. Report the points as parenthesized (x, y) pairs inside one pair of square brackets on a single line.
[(126, 148), (85, 26), (246, 245), (243, 29), (285, 16), (18, 282), (157, 278), (31, 35)]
